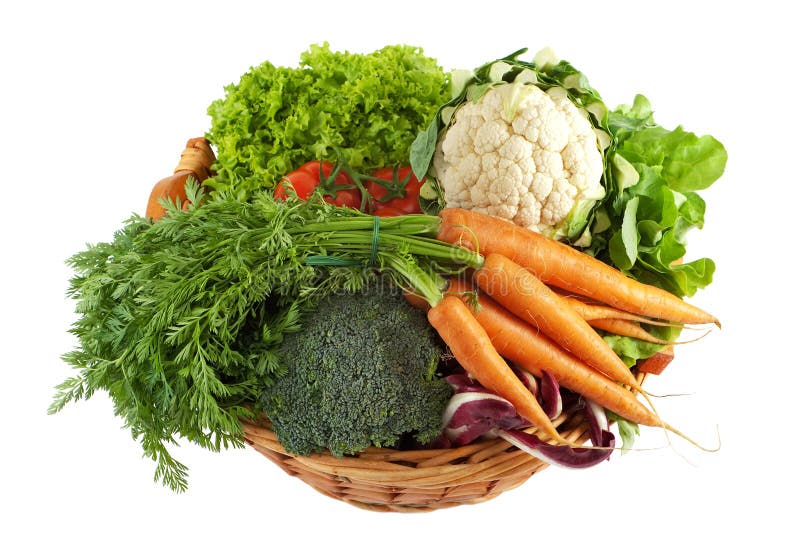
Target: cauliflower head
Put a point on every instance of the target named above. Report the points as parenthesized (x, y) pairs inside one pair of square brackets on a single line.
[(521, 154)]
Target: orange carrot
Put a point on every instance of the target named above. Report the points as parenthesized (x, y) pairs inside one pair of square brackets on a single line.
[(519, 342), (624, 327), (557, 264), (524, 295), (591, 311), (473, 349)]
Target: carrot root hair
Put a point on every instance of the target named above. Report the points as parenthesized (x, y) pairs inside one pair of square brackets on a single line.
[(694, 442), (669, 429)]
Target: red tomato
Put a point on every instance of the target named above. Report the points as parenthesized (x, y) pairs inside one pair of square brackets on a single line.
[(339, 190), (396, 188), (407, 204), (303, 185)]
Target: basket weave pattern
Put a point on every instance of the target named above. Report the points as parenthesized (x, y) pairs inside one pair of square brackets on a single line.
[(389, 480)]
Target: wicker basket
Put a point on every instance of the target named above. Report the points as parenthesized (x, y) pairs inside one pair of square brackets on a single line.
[(390, 480)]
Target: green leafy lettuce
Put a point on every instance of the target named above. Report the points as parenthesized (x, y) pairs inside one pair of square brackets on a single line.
[(367, 106), (653, 201)]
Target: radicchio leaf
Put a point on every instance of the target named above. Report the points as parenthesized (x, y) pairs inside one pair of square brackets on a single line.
[(463, 382), (561, 455), (598, 422), (471, 414), (474, 411), (550, 395), (528, 380)]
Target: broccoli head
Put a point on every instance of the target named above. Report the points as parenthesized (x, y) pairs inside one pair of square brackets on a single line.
[(361, 372)]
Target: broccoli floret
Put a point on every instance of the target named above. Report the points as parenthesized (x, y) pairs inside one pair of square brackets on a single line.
[(361, 372)]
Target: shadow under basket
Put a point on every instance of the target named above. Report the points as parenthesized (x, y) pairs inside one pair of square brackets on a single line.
[(389, 480)]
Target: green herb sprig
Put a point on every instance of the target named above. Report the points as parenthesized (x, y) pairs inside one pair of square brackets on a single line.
[(179, 321)]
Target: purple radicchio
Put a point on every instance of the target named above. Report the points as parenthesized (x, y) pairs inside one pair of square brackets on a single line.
[(546, 390), (474, 411)]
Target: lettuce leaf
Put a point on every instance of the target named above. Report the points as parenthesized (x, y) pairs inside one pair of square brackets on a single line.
[(653, 176), (369, 107), (628, 431)]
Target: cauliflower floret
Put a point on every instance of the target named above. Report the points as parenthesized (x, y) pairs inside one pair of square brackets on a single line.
[(521, 154)]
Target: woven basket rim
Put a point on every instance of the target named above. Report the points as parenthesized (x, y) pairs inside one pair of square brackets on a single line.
[(395, 480), (418, 480)]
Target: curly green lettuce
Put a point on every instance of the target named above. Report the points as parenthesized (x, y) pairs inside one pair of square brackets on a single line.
[(369, 107)]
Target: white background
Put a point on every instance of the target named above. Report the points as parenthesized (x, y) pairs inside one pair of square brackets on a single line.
[(97, 103)]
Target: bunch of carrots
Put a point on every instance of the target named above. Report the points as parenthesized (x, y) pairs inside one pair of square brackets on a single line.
[(535, 302), (523, 315)]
